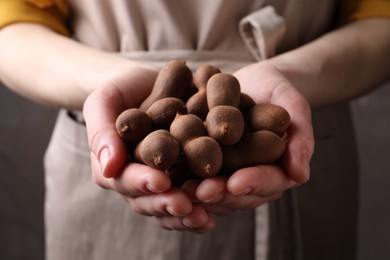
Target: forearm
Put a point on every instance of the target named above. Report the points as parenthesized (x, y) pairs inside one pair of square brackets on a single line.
[(342, 64), (51, 69)]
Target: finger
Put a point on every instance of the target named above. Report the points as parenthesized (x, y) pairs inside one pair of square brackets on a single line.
[(261, 180), (219, 210), (247, 202), (105, 144), (173, 202), (189, 188), (197, 218), (211, 190), (136, 180), (232, 203), (300, 147), (198, 221), (217, 200), (171, 223)]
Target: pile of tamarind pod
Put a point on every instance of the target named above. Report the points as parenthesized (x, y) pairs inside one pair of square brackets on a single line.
[(198, 125)]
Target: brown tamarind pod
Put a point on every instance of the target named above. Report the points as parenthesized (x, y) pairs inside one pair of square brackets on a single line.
[(260, 147), (159, 149), (268, 116), (203, 74), (173, 80), (197, 103), (225, 124), (133, 125), (203, 156), (187, 127), (223, 89), (163, 111), (246, 102), (179, 173)]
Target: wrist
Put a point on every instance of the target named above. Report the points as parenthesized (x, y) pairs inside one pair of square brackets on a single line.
[(338, 66)]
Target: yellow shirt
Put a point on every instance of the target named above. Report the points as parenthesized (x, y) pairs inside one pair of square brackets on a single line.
[(360, 9), (54, 13)]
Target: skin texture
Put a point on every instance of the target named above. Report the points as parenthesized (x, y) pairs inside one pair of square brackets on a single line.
[(317, 74)]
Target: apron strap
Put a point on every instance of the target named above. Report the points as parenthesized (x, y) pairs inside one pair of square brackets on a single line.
[(262, 32)]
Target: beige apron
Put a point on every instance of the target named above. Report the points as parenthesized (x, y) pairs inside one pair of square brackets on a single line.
[(86, 222)]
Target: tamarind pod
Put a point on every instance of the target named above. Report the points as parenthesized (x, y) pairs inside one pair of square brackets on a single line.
[(225, 124), (268, 116), (260, 147), (197, 104), (246, 102), (159, 149), (202, 75), (187, 127), (133, 125), (173, 80), (179, 173), (203, 156), (163, 111), (223, 89)]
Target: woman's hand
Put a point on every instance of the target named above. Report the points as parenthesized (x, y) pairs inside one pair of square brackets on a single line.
[(331, 69), (147, 190), (251, 187)]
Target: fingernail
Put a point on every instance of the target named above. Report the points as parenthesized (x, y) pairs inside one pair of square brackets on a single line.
[(150, 187), (104, 157), (243, 192), (216, 199), (186, 222), (170, 210)]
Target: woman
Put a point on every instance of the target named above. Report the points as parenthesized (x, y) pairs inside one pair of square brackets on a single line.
[(282, 52)]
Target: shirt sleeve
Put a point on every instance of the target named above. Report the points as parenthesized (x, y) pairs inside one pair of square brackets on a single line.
[(51, 13), (360, 9)]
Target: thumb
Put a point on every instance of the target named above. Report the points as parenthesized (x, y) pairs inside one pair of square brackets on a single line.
[(102, 107), (105, 144), (300, 148)]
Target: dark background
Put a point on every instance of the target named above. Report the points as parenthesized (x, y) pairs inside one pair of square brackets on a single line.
[(25, 130)]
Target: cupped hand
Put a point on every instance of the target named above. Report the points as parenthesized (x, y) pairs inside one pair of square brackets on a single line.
[(126, 89), (148, 190), (266, 84), (251, 187)]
